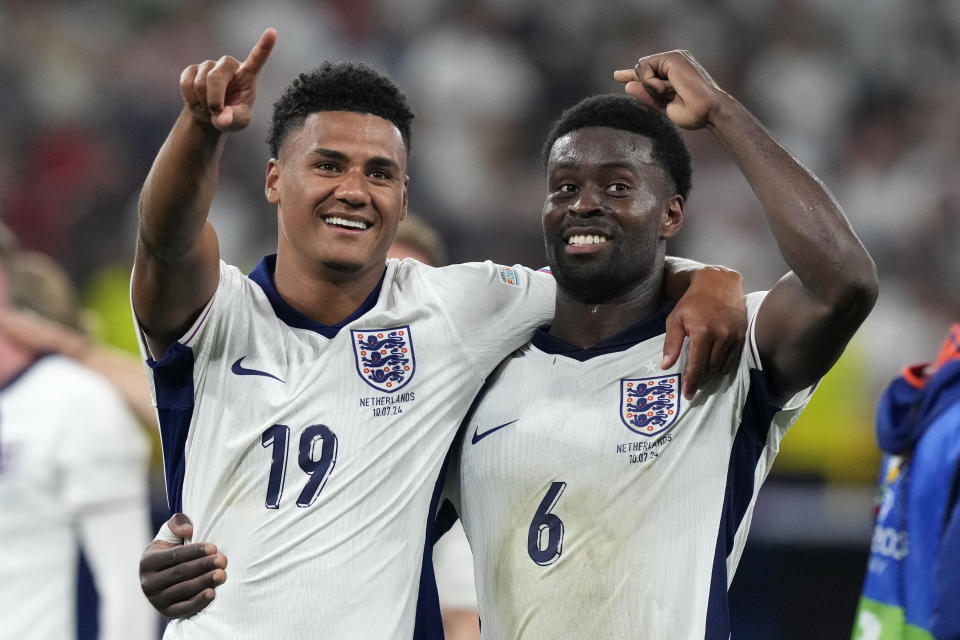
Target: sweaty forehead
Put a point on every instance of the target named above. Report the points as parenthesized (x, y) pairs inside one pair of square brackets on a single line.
[(601, 146)]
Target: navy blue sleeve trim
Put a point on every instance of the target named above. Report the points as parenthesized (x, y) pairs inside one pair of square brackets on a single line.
[(173, 381), (748, 446), (446, 517), (429, 624)]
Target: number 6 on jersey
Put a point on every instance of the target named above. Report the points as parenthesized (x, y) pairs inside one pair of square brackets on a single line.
[(545, 536)]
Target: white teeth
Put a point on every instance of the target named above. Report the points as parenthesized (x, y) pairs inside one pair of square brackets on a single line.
[(573, 240), (343, 222)]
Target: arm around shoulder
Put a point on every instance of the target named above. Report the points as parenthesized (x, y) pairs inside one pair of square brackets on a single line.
[(711, 310)]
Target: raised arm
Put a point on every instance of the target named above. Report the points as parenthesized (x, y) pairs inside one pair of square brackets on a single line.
[(176, 268), (809, 316)]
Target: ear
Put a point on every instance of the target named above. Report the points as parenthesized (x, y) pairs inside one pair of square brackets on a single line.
[(273, 177), (672, 218), (403, 206)]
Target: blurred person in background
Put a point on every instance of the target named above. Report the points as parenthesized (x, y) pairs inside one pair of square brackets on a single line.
[(912, 586), (418, 240), (73, 474), (42, 334)]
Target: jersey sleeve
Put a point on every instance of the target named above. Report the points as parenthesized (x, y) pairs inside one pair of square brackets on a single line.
[(493, 309), (181, 374), (788, 413), (206, 332)]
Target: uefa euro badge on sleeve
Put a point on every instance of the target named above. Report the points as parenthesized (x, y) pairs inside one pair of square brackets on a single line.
[(649, 406), (384, 357)]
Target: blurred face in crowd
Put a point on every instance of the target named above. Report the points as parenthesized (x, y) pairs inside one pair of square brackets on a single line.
[(402, 250), (340, 187), (608, 212)]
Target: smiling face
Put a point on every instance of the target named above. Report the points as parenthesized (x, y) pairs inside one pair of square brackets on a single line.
[(340, 186), (609, 210)]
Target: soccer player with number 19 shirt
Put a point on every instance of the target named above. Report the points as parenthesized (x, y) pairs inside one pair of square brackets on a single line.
[(306, 409), (599, 501)]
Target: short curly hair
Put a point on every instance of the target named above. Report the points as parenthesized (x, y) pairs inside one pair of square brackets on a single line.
[(339, 86), (629, 114)]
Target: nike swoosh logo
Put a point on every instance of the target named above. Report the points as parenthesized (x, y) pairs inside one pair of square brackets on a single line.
[(240, 370), (477, 436)]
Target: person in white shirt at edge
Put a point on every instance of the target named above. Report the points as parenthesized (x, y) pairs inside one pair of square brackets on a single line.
[(73, 475), (306, 410), (598, 502)]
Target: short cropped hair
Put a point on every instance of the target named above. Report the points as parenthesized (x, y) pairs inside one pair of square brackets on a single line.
[(624, 112), (339, 86)]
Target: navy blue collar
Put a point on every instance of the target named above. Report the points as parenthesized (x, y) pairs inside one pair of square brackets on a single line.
[(262, 274), (651, 326)]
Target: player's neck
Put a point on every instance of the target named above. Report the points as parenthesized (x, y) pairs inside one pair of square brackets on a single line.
[(14, 358), (585, 325), (329, 297)]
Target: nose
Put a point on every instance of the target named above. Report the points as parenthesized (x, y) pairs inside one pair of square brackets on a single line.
[(588, 202), (352, 189)]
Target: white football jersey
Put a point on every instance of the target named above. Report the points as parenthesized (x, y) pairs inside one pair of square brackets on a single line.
[(311, 454), (71, 454), (598, 502)]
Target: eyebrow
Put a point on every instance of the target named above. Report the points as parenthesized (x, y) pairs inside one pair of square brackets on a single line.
[(333, 154), (570, 164)]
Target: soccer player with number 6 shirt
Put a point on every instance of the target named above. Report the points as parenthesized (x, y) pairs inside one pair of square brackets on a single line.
[(306, 409), (599, 502)]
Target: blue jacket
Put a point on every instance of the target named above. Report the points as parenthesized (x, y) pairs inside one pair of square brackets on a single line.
[(912, 588)]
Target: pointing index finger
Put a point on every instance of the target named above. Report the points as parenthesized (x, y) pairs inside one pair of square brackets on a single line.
[(260, 52), (625, 75)]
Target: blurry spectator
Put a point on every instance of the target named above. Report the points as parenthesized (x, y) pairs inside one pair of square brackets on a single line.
[(912, 587), (72, 476), (416, 239), (38, 326)]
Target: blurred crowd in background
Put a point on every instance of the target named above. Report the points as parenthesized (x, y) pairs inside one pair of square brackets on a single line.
[(864, 92)]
